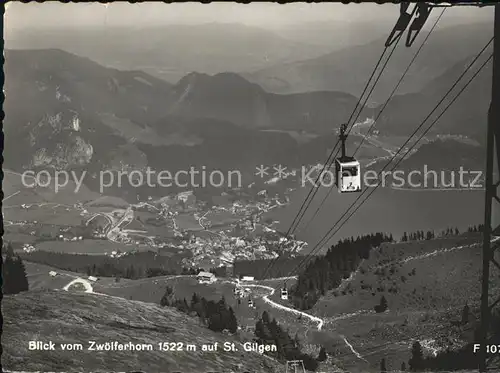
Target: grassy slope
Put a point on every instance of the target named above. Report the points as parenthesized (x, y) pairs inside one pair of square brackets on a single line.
[(76, 317), (422, 309), (152, 289), (443, 282)]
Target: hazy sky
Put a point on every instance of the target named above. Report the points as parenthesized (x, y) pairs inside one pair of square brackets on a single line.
[(271, 15)]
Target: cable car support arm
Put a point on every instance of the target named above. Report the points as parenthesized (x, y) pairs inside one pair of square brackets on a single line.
[(492, 199)]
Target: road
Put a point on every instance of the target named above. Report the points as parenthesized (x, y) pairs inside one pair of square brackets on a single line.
[(12, 195), (266, 299), (372, 140), (85, 283), (320, 322), (128, 216)]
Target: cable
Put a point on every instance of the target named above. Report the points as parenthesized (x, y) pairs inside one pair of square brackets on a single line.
[(314, 188), (381, 111), (427, 130), (329, 161), (409, 150), (330, 157), (402, 146)]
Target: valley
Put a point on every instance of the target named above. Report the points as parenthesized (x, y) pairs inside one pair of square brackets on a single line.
[(188, 155)]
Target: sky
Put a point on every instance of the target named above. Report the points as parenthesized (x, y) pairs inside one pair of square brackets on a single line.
[(264, 15)]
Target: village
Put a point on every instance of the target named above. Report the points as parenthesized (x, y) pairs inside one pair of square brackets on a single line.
[(233, 227)]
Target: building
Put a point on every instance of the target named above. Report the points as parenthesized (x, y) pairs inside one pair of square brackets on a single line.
[(206, 278), (53, 273), (247, 278), (186, 197), (92, 278)]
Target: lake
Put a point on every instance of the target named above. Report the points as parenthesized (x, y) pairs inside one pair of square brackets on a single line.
[(386, 210)]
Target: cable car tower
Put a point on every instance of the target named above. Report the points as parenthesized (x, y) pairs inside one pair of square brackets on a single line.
[(492, 199), (295, 366), (347, 169)]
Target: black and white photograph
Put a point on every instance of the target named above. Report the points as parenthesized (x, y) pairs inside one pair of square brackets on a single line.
[(251, 188)]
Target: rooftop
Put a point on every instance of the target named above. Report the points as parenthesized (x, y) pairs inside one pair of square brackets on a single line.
[(206, 274)]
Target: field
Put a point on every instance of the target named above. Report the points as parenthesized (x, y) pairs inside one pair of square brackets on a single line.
[(90, 247), (47, 213), (13, 235), (16, 192), (187, 222), (145, 220), (108, 201), (221, 217), (152, 289)]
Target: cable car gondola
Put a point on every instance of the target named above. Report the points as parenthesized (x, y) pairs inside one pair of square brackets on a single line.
[(284, 294), (347, 169)]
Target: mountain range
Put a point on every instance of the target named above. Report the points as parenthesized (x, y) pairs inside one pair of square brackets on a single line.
[(348, 69), (466, 116), (172, 51), (82, 114), (228, 96)]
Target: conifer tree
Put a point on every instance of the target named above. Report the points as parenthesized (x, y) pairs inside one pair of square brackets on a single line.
[(322, 354), (14, 273), (21, 277), (465, 314), (417, 357), (383, 368), (233, 322)]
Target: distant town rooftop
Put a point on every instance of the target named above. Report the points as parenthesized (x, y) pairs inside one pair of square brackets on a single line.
[(205, 274)]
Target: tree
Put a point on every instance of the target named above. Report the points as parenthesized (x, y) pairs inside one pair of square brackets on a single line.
[(233, 322), (194, 300), (383, 368), (21, 277), (166, 299), (322, 354), (9, 250), (326, 273), (265, 317), (8, 273), (215, 322), (416, 361), (14, 273), (465, 314), (382, 306)]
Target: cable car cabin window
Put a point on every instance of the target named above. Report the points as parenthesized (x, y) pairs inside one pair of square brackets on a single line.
[(349, 171)]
